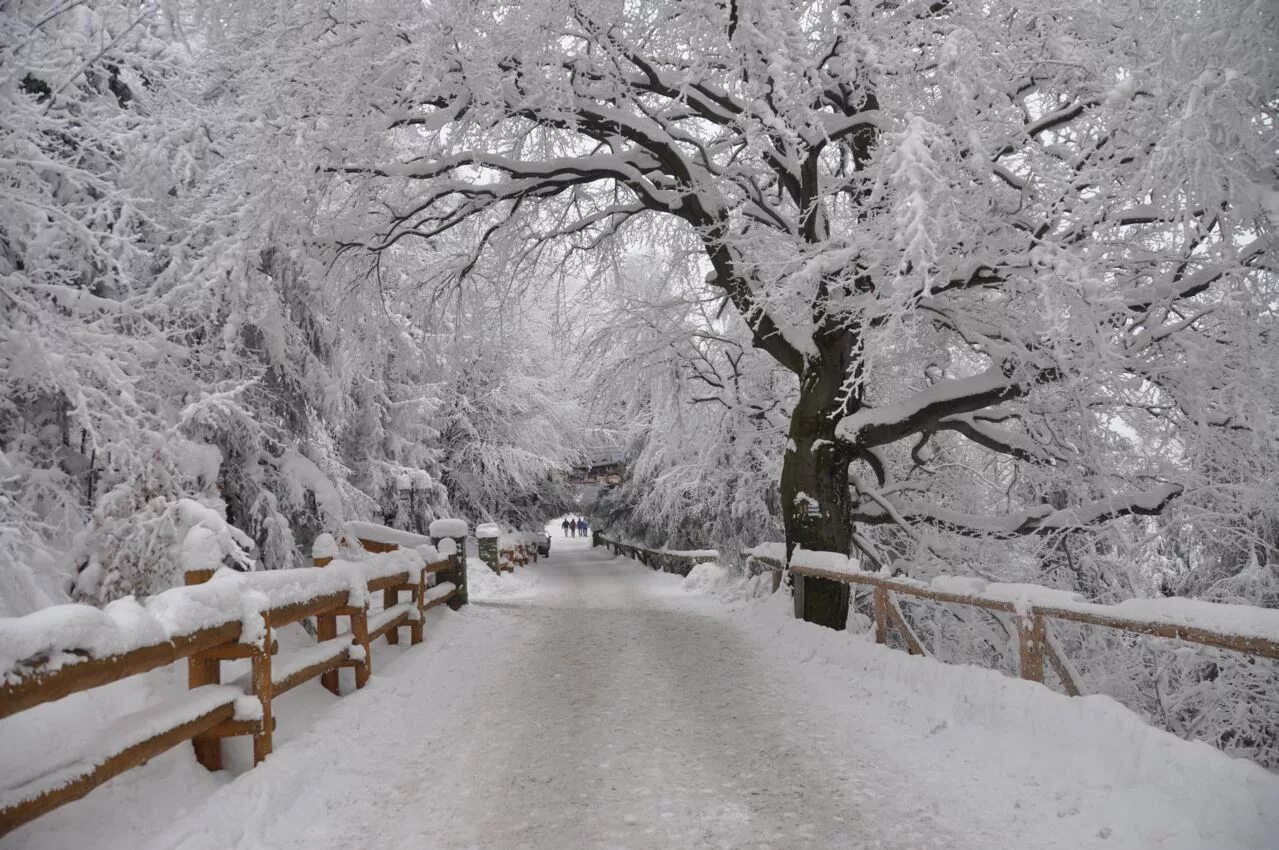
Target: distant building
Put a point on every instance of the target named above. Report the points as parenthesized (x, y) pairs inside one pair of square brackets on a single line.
[(604, 469)]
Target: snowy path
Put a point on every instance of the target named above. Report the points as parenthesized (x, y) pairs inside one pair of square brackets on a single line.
[(589, 702)]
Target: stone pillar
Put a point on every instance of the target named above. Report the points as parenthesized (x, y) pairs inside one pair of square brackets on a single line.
[(449, 537), (486, 537)]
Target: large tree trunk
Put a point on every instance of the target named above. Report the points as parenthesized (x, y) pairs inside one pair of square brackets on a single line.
[(814, 488)]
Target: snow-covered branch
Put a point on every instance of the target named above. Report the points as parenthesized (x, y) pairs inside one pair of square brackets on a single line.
[(1039, 520)]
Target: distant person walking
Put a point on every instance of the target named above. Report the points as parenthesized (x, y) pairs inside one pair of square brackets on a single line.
[(564, 525), (582, 525)]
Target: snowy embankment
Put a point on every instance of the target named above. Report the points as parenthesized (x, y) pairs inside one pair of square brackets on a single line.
[(1076, 756)]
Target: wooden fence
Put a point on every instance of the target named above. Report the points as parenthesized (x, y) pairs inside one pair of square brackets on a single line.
[(210, 711), (504, 552), (1035, 643), (678, 562), (519, 555)]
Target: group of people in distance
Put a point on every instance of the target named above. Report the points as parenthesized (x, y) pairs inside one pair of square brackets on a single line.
[(575, 527)]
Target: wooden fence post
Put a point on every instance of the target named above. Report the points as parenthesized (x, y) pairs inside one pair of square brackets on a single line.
[(419, 596), (391, 598), (360, 637), (326, 625), (1030, 646), (914, 645), (263, 688), (879, 596), (203, 670)]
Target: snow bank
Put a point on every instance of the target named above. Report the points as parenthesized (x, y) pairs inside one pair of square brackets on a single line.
[(969, 715), (705, 578), (488, 531), (713, 579), (448, 528), (484, 584)]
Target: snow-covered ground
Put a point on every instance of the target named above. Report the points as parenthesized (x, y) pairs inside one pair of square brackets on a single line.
[(587, 701)]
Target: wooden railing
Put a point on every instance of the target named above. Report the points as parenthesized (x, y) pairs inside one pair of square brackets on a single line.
[(516, 556), (1032, 608), (1233, 627), (504, 552), (678, 562), (227, 618)]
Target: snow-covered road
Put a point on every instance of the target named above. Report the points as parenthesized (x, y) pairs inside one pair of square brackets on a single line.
[(590, 702)]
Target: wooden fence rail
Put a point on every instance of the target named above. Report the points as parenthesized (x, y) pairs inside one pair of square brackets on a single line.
[(678, 562), (1033, 607), (211, 711), (1238, 628)]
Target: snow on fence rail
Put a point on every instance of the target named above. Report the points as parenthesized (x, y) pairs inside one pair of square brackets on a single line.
[(504, 552), (66, 649), (1239, 628), (518, 549), (678, 561)]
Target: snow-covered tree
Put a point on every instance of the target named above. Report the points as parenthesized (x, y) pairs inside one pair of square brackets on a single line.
[(180, 323), (1060, 212), (509, 420), (701, 414)]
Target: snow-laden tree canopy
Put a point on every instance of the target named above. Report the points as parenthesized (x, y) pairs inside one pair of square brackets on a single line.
[(1006, 270), (971, 288), (1019, 258), (178, 326)]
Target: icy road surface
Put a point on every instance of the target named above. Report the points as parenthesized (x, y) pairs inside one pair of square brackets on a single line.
[(590, 702)]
